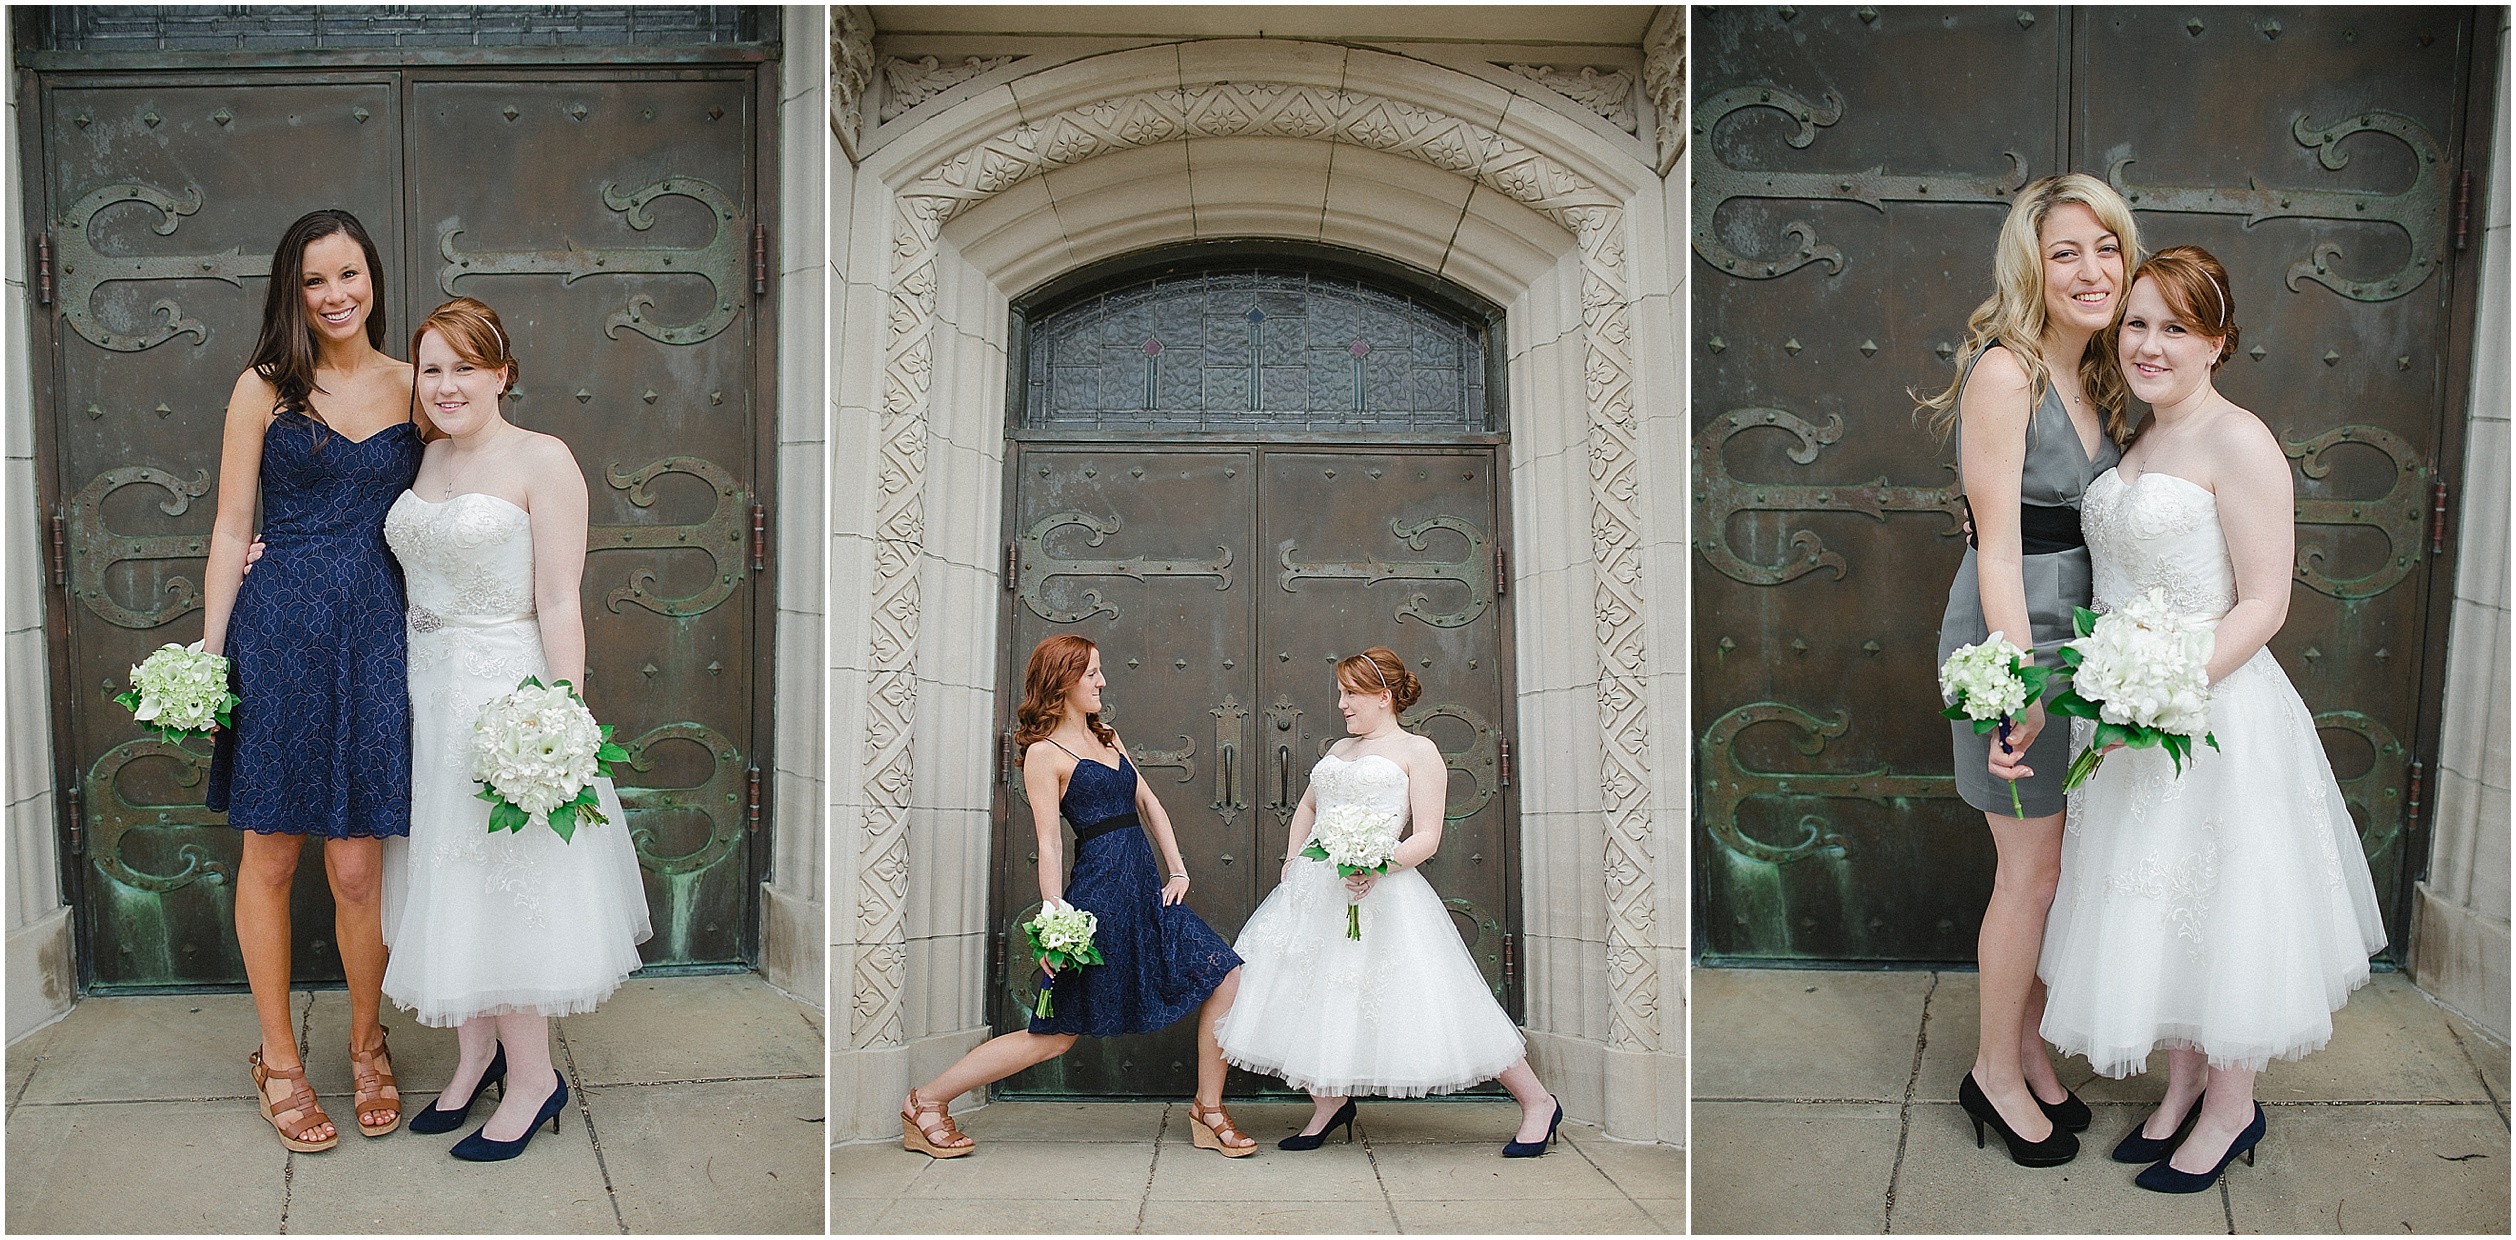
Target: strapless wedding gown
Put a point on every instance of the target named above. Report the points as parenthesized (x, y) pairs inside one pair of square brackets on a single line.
[(2227, 910), (484, 924), (1402, 1013)]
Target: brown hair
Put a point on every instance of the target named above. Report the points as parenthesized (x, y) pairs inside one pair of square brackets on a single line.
[(1380, 670), (284, 354), (1056, 664), (2195, 287), (473, 331)]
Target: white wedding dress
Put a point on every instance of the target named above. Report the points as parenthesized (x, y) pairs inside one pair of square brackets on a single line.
[(2227, 910), (487, 924), (1402, 1013)]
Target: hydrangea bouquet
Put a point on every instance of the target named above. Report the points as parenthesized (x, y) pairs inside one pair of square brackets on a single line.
[(1357, 840), (2142, 677), (538, 751), (1061, 937), (180, 691), (1990, 682)]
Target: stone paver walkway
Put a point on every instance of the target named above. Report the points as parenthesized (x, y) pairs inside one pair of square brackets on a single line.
[(695, 1105), (1128, 1168), (1826, 1102)]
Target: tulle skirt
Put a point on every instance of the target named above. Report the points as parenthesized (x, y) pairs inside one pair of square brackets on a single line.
[(482, 924), (1400, 1014), (2227, 910)]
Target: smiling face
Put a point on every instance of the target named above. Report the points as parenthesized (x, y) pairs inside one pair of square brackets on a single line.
[(2083, 268), (337, 287), (460, 394), (1364, 711), (2164, 359), (1084, 698)]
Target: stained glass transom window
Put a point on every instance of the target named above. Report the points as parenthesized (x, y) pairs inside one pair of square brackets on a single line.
[(1250, 350)]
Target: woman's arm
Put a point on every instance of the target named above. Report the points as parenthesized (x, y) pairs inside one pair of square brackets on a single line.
[(239, 488), (1428, 796), (1040, 783), (1304, 816), (555, 499), (2257, 513), (1993, 413), (1149, 808)]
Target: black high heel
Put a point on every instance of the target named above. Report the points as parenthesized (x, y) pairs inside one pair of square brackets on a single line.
[(1531, 1149), (1311, 1141), (2053, 1151), (479, 1148), (434, 1118), (2162, 1177), (2137, 1149), (2069, 1113)]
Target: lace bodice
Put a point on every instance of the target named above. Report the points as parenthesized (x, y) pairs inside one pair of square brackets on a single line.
[(469, 558), (1372, 781), (2158, 531)]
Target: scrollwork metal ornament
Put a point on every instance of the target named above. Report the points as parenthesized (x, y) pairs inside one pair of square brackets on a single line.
[(85, 269), (2397, 514), (2419, 210), (95, 547), (1728, 783), (1477, 761), (1718, 497), (1036, 566), (1475, 570), (2377, 791), (719, 537), (1717, 183), (720, 262), (114, 817), (719, 797)]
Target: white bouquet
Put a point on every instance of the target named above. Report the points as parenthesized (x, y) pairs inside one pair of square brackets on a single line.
[(1061, 937), (1990, 683), (2142, 677), (180, 691), (1357, 840), (538, 751)]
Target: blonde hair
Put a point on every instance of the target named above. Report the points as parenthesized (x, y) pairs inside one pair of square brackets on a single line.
[(2013, 316)]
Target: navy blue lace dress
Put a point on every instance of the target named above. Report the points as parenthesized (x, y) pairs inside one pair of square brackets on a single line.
[(317, 644), (1158, 961)]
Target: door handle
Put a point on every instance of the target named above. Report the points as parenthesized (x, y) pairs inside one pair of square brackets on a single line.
[(1284, 776), (1226, 777)]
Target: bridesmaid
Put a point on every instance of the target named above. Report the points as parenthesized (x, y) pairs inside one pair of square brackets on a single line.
[(320, 434), (1159, 959), (2039, 405)]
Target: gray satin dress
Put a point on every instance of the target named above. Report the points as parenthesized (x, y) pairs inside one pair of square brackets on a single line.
[(2056, 474)]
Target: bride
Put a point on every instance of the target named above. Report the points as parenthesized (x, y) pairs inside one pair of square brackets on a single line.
[(1402, 1012), (495, 933), (2225, 913)]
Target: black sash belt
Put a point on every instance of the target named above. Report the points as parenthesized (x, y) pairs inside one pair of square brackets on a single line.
[(1106, 825), (2041, 530)]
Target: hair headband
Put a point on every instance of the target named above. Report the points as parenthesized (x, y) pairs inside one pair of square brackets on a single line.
[(502, 336), (2223, 297), (1384, 679)]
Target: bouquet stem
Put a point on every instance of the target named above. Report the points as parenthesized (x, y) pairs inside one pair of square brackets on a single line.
[(1354, 921), (2016, 809), (2083, 767)]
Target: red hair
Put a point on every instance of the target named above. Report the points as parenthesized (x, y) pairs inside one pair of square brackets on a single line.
[(1380, 670), (2195, 287), (472, 330), (1057, 663)]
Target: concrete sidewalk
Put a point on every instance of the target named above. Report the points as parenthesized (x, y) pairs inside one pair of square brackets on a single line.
[(1826, 1102), (694, 1106), (1128, 1168)]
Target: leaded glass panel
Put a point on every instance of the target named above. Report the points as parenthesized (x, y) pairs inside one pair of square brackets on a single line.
[(1240, 350)]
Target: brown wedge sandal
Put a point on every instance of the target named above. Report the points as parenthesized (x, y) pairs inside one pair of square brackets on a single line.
[(297, 1114), (375, 1088), (1211, 1128), (928, 1138)]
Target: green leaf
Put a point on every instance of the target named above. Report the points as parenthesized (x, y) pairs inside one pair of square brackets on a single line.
[(2082, 621), (611, 753), (506, 816), (533, 681), (2210, 740), (563, 820), (128, 699)]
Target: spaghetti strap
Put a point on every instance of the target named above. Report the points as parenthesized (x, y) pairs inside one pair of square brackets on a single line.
[(1069, 753)]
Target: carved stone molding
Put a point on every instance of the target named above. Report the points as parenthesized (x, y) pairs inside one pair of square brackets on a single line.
[(908, 83), (851, 71), (928, 199), (1664, 80), (1608, 92)]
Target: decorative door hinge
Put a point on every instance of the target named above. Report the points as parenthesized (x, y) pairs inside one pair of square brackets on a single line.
[(759, 537), (75, 800), (996, 958), (759, 260), (1013, 563), (1502, 760), (2411, 801), (60, 551), (43, 268), (1510, 966), (1004, 758), (2437, 518), (2463, 211), (751, 798), (1502, 571)]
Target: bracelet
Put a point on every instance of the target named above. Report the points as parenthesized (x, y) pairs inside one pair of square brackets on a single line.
[(1178, 874)]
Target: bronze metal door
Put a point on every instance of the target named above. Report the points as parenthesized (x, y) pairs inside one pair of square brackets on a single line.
[(1221, 582), (610, 219), (1845, 210)]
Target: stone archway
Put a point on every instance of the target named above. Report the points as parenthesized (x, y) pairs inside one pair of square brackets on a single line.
[(1010, 188)]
